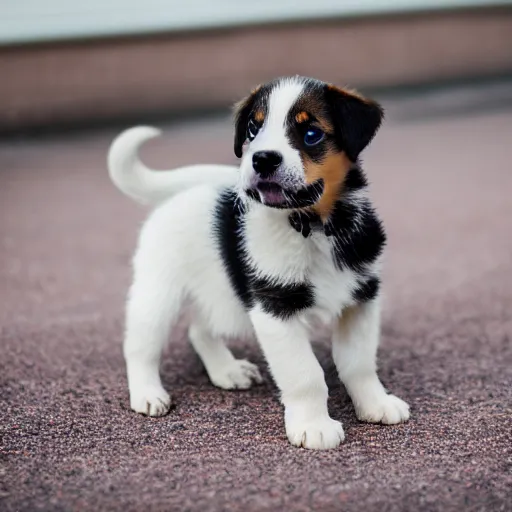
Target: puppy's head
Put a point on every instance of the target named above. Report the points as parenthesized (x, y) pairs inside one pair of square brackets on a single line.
[(297, 132)]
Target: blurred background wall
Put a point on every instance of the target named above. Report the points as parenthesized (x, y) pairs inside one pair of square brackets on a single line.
[(65, 63)]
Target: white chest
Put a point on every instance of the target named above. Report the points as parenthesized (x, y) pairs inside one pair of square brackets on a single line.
[(278, 252), (333, 288)]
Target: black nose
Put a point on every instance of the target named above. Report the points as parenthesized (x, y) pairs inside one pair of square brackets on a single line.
[(266, 162)]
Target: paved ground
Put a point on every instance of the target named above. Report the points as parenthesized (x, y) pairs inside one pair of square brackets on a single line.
[(69, 441)]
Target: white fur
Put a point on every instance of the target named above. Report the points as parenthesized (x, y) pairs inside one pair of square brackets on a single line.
[(272, 137), (146, 186), (356, 364), (177, 260)]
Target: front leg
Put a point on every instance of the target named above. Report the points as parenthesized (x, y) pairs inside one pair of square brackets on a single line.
[(300, 379), (355, 342)]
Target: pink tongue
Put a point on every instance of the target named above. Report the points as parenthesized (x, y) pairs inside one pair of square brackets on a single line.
[(272, 196)]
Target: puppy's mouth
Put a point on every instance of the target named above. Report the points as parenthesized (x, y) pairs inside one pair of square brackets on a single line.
[(272, 194)]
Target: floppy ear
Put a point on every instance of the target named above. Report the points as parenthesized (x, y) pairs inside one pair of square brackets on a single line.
[(356, 119), (242, 112)]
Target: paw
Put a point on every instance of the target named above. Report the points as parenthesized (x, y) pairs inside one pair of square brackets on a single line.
[(238, 374), (151, 401), (322, 433), (387, 409)]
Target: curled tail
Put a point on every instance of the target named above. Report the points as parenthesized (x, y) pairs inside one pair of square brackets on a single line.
[(151, 187)]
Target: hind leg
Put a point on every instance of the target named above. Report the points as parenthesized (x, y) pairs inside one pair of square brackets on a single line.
[(224, 370), (152, 307)]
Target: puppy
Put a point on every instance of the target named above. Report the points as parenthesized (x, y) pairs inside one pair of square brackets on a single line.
[(266, 250)]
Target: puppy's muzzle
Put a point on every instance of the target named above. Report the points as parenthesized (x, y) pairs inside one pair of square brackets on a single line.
[(265, 163)]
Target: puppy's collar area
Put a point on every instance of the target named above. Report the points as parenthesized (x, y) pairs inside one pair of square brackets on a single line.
[(303, 222)]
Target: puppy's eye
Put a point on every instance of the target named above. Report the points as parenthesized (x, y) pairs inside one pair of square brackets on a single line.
[(252, 130), (313, 136)]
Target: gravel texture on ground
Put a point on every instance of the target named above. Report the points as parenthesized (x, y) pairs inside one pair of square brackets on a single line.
[(68, 439)]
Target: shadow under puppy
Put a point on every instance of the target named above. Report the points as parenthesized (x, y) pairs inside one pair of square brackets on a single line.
[(266, 250)]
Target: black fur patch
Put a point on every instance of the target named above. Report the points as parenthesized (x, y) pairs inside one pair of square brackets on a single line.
[(367, 289), (354, 180), (228, 231), (358, 232), (283, 300), (343, 217), (356, 120), (303, 222)]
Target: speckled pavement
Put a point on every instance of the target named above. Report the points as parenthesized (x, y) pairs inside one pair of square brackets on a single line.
[(68, 439)]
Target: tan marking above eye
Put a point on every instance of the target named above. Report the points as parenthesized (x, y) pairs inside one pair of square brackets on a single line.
[(259, 116), (302, 117)]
